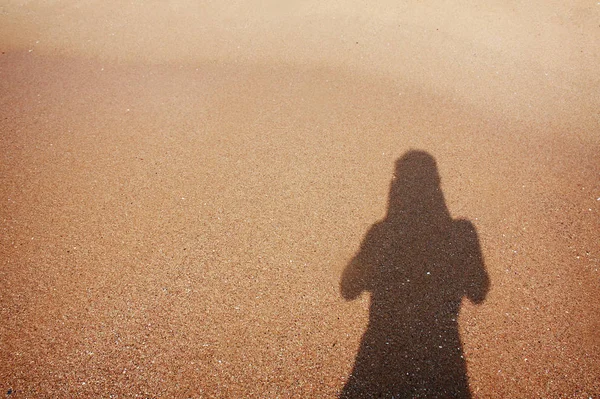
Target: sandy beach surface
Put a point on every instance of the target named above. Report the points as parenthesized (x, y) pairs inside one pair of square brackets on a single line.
[(188, 188)]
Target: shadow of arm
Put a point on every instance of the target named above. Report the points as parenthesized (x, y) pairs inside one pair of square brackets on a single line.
[(352, 284), (358, 274), (476, 280)]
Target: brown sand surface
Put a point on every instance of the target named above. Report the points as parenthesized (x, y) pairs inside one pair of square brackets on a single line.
[(184, 184)]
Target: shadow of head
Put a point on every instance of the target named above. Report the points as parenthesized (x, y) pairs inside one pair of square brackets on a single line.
[(415, 187)]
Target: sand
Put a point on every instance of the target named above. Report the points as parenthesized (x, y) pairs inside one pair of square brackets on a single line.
[(184, 186)]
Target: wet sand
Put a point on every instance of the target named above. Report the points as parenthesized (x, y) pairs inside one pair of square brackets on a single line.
[(184, 185)]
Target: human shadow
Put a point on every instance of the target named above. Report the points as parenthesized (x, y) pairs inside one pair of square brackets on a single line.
[(418, 263)]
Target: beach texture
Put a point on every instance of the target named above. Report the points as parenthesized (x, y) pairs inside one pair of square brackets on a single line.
[(300, 199)]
